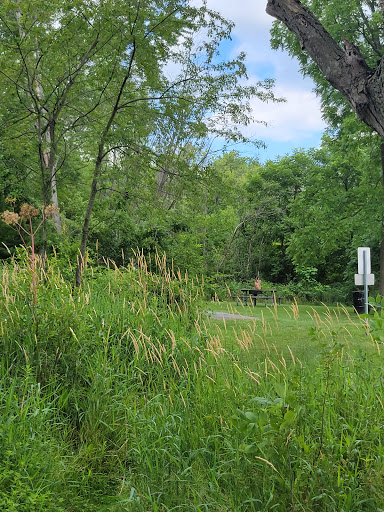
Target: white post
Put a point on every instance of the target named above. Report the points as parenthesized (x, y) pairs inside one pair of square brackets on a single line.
[(365, 281)]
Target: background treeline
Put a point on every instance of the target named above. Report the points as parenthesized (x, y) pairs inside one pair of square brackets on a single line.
[(296, 221)]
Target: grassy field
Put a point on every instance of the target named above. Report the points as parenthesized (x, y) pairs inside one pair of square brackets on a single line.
[(318, 368), (127, 395), (291, 328)]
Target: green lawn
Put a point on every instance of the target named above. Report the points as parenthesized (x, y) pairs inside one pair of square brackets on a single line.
[(304, 329)]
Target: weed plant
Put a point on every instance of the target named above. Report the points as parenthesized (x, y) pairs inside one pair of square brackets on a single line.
[(125, 395)]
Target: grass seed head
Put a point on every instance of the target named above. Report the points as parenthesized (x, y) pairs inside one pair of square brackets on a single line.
[(27, 211), (10, 218)]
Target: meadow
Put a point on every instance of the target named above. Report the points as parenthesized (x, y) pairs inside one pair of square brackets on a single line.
[(129, 395)]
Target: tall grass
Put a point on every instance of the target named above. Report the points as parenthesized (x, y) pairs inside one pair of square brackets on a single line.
[(125, 395)]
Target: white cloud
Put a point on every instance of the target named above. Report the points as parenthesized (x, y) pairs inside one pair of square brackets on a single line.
[(248, 15), (294, 120), (297, 119)]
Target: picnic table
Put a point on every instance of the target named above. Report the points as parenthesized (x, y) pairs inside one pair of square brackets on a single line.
[(255, 295)]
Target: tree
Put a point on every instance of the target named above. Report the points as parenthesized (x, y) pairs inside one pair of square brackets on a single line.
[(237, 255), (338, 208), (347, 69), (347, 52), (44, 53), (261, 196), (206, 86), (87, 98)]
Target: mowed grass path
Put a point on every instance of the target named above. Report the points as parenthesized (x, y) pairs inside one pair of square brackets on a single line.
[(298, 331)]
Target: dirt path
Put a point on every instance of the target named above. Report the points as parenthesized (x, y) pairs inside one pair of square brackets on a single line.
[(229, 316)]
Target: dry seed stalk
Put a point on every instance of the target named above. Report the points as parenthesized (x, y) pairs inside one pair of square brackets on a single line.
[(290, 351), (252, 375)]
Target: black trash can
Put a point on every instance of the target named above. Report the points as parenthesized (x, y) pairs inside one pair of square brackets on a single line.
[(358, 301)]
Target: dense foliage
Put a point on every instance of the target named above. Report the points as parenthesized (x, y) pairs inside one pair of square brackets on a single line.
[(353, 29), (107, 108), (296, 222)]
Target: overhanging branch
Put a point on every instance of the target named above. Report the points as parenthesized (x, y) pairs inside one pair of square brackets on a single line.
[(345, 69)]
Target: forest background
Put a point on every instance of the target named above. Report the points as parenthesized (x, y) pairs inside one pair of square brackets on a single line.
[(92, 122)]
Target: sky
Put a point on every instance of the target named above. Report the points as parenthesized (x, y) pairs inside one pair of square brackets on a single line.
[(297, 123)]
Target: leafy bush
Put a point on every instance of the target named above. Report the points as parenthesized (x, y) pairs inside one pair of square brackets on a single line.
[(220, 287)]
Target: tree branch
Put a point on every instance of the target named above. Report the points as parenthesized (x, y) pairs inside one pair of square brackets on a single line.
[(345, 69)]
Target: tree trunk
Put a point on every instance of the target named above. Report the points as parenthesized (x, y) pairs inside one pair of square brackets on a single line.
[(45, 154), (345, 69), (48, 157), (96, 174), (381, 284), (55, 200), (85, 231)]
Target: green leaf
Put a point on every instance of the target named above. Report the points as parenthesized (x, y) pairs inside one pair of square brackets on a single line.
[(289, 416), (251, 416), (263, 419), (289, 419), (261, 400), (281, 389), (249, 448)]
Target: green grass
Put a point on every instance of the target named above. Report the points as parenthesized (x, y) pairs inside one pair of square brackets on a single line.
[(291, 329), (126, 396)]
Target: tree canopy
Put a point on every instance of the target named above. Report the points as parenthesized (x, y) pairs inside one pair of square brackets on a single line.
[(102, 96)]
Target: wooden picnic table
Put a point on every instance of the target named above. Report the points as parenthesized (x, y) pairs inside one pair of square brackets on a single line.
[(254, 295)]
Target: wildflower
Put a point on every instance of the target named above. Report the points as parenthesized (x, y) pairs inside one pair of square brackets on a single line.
[(28, 211), (11, 200), (51, 210), (10, 218)]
